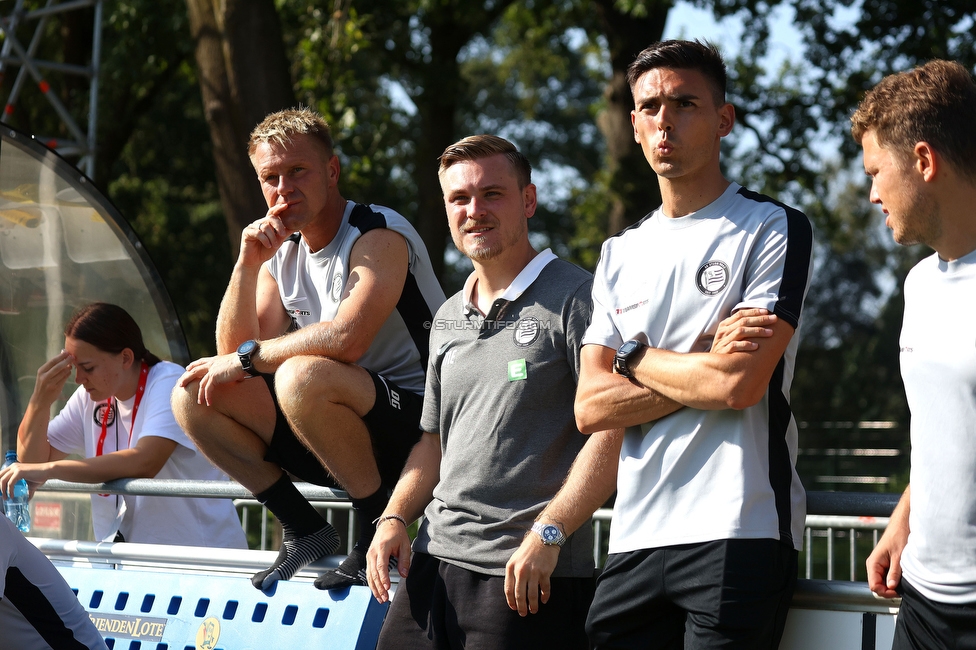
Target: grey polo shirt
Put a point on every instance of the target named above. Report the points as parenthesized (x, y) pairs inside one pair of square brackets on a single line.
[(500, 392)]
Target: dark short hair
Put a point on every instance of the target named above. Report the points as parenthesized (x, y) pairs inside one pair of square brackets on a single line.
[(476, 147), (279, 128), (683, 55), (110, 329), (934, 103)]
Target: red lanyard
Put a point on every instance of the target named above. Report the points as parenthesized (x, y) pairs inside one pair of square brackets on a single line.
[(140, 389)]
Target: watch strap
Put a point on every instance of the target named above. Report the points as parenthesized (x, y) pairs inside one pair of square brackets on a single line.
[(245, 359), (621, 360)]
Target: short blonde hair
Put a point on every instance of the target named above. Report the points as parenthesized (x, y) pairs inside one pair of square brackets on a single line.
[(476, 147), (279, 128)]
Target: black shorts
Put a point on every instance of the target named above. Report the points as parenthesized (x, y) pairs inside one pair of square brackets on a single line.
[(393, 424), (442, 606), (925, 624), (726, 594)]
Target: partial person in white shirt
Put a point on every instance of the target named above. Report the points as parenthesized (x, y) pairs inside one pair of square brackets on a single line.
[(120, 422), (916, 130)]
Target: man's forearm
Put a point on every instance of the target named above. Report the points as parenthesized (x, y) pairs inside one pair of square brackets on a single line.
[(591, 481), (715, 381), (899, 519), (699, 380), (415, 489), (237, 319), (337, 340), (605, 400)]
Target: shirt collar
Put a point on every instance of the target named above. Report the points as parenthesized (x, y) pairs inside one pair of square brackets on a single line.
[(522, 281)]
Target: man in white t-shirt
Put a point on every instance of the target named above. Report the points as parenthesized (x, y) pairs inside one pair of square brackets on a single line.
[(709, 511), (916, 129), (330, 303)]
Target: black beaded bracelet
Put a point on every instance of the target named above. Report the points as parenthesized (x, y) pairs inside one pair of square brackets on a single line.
[(380, 520)]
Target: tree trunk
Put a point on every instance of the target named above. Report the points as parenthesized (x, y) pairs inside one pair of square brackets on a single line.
[(450, 25), (437, 126), (634, 189), (437, 106), (244, 76)]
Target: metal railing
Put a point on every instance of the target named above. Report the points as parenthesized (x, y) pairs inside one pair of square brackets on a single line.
[(832, 517)]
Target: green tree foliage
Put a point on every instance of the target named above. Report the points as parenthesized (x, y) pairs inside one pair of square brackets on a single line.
[(154, 156), (400, 80), (848, 366)]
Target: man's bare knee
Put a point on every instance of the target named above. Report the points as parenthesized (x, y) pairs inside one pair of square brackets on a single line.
[(183, 401), (311, 385), (301, 378)]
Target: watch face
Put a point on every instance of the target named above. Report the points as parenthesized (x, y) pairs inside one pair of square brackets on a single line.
[(247, 347), (628, 348), (550, 533)]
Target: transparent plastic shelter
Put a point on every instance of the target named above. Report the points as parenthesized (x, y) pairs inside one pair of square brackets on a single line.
[(62, 246)]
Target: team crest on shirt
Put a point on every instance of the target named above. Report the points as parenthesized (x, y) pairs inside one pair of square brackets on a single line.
[(712, 277), (526, 332), (337, 287), (100, 414)]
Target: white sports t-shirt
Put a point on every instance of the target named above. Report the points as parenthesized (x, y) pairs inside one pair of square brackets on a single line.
[(311, 286), (695, 475), (154, 520), (938, 365)]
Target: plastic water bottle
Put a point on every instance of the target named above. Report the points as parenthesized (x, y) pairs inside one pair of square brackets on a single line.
[(16, 507)]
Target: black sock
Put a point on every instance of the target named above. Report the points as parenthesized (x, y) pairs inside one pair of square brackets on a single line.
[(307, 536), (351, 572), (367, 510)]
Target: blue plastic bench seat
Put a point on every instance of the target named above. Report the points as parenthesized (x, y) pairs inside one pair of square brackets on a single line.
[(137, 609)]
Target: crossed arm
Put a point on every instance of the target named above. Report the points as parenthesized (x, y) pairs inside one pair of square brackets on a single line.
[(734, 374)]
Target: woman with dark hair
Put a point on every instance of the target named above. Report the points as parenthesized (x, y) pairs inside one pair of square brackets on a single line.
[(120, 421)]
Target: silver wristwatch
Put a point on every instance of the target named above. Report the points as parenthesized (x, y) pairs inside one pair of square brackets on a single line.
[(550, 534)]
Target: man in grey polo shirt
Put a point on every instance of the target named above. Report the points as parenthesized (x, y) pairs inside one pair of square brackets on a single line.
[(499, 436)]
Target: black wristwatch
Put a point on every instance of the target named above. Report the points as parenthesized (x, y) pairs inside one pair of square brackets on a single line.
[(550, 534), (626, 352), (244, 352)]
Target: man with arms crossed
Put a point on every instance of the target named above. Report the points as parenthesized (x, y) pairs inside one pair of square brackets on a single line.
[(329, 303), (709, 511), (916, 129)]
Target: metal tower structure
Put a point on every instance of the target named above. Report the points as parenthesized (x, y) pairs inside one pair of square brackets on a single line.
[(13, 54)]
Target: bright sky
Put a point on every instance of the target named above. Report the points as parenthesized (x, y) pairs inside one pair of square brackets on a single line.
[(689, 22)]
